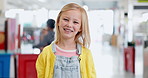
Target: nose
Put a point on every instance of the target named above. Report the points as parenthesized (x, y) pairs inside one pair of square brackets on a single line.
[(69, 24)]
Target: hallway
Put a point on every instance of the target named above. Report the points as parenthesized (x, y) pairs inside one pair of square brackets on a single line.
[(109, 62)]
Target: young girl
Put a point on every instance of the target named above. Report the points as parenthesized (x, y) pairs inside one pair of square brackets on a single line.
[(68, 56)]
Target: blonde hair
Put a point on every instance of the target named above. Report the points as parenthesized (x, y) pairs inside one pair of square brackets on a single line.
[(82, 37)]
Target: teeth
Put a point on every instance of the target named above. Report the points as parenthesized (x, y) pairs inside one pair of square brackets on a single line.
[(67, 30)]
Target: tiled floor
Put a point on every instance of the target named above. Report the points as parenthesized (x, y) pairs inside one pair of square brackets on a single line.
[(109, 61)]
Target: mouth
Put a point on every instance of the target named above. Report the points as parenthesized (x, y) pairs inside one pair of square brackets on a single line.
[(68, 30)]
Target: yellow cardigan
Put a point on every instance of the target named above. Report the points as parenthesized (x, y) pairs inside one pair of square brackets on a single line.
[(46, 59)]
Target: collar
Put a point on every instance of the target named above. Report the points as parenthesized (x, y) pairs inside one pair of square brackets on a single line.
[(79, 48)]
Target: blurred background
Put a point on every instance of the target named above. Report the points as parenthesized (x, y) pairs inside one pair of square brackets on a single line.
[(118, 29)]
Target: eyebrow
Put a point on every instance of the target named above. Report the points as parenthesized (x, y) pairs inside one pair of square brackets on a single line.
[(65, 16)]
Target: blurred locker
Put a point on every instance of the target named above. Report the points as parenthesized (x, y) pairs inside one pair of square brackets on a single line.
[(7, 65), (26, 65), (129, 59)]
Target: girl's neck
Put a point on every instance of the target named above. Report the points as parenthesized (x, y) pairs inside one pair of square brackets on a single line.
[(67, 45)]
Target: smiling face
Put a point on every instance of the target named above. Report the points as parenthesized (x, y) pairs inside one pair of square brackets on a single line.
[(69, 24)]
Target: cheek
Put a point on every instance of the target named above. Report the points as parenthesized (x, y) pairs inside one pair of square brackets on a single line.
[(79, 28), (61, 23), (60, 28)]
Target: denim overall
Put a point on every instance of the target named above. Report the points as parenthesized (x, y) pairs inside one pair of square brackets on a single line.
[(67, 67)]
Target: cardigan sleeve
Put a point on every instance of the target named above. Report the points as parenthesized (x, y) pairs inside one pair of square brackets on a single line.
[(91, 67), (40, 65)]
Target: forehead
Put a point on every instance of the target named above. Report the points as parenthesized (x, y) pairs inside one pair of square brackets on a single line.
[(72, 13)]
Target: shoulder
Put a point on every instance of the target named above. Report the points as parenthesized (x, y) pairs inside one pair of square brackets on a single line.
[(47, 50), (86, 51)]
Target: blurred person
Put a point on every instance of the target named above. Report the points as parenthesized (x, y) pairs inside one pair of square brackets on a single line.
[(36, 35), (43, 33), (68, 56), (47, 37)]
